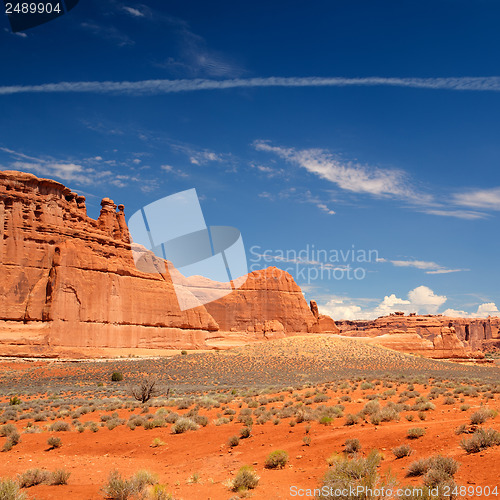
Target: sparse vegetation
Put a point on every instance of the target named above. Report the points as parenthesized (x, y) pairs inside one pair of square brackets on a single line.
[(277, 459)]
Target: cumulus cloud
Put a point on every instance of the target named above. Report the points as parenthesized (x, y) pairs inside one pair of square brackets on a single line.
[(421, 300), (483, 311)]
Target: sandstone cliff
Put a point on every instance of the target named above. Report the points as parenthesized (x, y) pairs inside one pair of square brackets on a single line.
[(68, 280)]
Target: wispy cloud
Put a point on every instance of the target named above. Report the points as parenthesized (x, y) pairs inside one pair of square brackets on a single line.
[(459, 214), (134, 12), (487, 199), (428, 266), (85, 172), (348, 176), (491, 83)]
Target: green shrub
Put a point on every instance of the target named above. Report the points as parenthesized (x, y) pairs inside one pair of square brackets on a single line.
[(246, 479), (116, 376), (277, 459), (14, 400)]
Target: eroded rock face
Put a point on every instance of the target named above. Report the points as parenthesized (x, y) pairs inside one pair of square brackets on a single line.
[(268, 294), (431, 336), (70, 280)]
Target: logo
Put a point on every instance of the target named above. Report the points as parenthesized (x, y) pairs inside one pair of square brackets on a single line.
[(205, 263)]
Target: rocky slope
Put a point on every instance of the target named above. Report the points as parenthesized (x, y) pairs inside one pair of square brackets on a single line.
[(70, 281)]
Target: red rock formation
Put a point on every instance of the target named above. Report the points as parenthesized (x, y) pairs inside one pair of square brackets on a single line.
[(69, 280), (269, 294), (432, 336), (325, 323)]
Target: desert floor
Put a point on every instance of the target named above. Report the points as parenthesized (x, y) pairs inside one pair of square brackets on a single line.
[(297, 394)]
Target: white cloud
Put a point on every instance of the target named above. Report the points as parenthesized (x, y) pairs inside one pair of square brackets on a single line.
[(459, 214), (487, 309), (133, 12), (83, 172), (488, 199), (421, 300), (428, 266), (218, 68), (483, 311), (348, 176), (425, 300), (419, 264)]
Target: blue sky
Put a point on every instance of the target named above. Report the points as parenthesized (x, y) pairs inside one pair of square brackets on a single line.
[(331, 125)]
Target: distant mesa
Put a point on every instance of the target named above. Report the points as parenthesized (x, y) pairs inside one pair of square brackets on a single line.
[(70, 287)]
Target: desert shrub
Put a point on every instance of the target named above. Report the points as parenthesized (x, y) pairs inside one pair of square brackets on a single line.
[(54, 442), (352, 446), (482, 438), (233, 441), (143, 478), (59, 477), (7, 429), (159, 492), (201, 420), (464, 407), (422, 415), (325, 420), (116, 376), (448, 400), (119, 488), (183, 425), (350, 419), (14, 400), (245, 432), (415, 432), (348, 473), (277, 459), (306, 440), (418, 468), (221, 421), (9, 490), (461, 429), (172, 417), (32, 477), (59, 426), (480, 416), (405, 450), (246, 479), (157, 442)]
